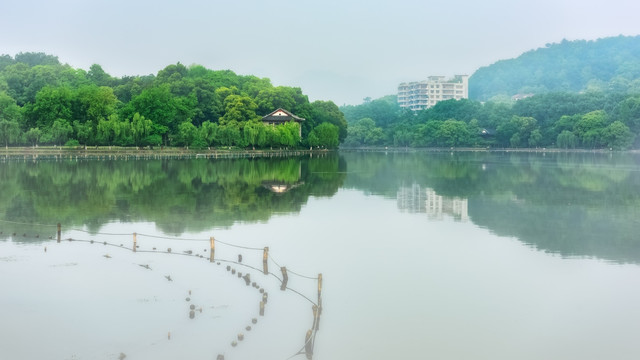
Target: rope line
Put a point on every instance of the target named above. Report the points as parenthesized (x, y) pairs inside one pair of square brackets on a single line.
[(169, 238), (99, 233), (22, 223), (302, 350), (293, 272)]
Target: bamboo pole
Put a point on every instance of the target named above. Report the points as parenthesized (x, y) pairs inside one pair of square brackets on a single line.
[(265, 257), (59, 231), (135, 241), (285, 278), (308, 345), (213, 249)]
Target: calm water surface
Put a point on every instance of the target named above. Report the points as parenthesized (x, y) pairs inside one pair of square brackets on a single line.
[(422, 255)]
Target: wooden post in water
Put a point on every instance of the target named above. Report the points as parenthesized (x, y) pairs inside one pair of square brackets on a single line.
[(135, 241), (265, 257), (308, 345), (59, 231), (261, 308), (285, 278), (316, 317), (319, 296), (213, 248)]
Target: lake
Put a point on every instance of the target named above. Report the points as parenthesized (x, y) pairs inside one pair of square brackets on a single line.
[(441, 255)]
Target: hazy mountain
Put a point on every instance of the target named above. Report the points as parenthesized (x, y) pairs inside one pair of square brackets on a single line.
[(604, 64)]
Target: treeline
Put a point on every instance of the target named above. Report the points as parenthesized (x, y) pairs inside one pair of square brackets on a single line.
[(608, 64), (45, 102), (590, 120)]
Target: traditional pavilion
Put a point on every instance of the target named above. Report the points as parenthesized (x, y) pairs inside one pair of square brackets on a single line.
[(282, 116)]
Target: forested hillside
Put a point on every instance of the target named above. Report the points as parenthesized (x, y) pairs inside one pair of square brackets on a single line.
[(608, 64), (43, 101), (591, 120)]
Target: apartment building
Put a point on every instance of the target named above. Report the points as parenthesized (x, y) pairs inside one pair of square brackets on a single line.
[(419, 95)]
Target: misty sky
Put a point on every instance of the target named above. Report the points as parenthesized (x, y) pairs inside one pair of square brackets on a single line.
[(334, 50)]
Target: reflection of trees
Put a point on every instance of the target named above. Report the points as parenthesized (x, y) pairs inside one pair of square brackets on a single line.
[(178, 195), (570, 203)]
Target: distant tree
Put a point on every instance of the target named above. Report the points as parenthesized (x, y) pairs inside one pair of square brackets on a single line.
[(327, 111), (618, 136), (589, 128), (33, 136), (36, 58), (567, 140), (98, 76), (454, 133), (187, 133), (9, 131), (141, 130), (238, 109), (61, 130), (324, 135), (209, 133)]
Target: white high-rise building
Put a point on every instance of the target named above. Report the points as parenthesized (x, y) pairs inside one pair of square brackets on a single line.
[(419, 95)]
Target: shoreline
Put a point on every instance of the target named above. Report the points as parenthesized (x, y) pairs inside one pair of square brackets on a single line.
[(111, 151)]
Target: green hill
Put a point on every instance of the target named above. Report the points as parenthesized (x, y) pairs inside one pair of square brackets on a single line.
[(611, 64)]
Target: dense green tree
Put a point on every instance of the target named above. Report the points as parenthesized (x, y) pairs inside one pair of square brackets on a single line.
[(618, 136), (209, 133), (589, 129), (187, 133), (141, 130), (98, 76), (51, 103), (33, 136), (325, 135), (9, 131), (238, 109), (61, 130), (454, 133), (567, 140), (327, 111), (253, 133), (364, 132)]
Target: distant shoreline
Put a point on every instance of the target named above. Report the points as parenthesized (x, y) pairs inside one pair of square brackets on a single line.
[(234, 152), (151, 152), (472, 149)]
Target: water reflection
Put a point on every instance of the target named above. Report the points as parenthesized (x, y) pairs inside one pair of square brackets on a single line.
[(574, 204), (418, 199), (177, 195)]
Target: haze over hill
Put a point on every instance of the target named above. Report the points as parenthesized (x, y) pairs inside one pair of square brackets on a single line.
[(609, 64)]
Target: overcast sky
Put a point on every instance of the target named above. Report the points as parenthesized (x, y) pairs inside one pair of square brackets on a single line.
[(334, 50)]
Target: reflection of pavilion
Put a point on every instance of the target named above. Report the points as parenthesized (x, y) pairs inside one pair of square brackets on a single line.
[(280, 187), (415, 199)]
